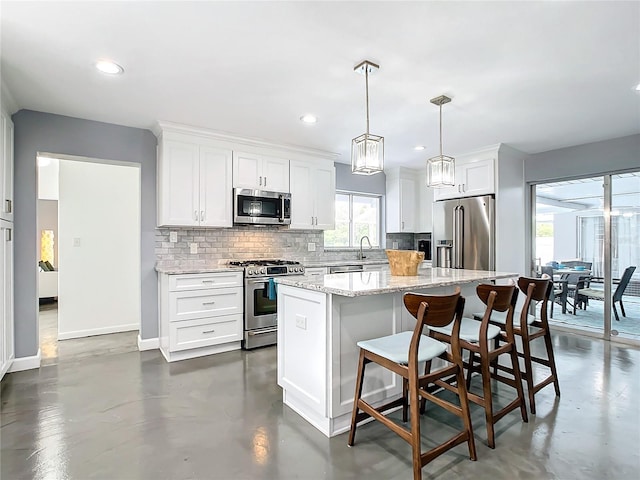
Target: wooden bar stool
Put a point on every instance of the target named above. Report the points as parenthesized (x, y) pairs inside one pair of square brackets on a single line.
[(478, 337), (401, 354), (529, 328)]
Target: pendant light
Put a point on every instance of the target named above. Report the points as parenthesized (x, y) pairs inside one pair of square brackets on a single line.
[(441, 168), (367, 151)]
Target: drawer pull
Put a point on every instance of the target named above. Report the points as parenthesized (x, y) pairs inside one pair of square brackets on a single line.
[(207, 281), (208, 303), (209, 331)]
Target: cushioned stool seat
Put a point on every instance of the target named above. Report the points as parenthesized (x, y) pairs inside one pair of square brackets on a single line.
[(470, 330), (396, 347)]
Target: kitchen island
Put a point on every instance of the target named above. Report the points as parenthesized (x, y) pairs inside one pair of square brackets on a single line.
[(320, 320)]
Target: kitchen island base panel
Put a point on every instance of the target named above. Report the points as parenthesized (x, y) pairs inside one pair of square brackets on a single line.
[(318, 352)]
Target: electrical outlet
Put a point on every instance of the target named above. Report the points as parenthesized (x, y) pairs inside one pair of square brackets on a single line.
[(76, 241), (311, 246), (173, 237), (193, 247), (395, 245), (301, 322)]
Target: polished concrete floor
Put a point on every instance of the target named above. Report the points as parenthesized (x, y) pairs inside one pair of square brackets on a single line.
[(133, 416)]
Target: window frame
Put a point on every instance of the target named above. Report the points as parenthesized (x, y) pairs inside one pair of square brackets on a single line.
[(352, 194)]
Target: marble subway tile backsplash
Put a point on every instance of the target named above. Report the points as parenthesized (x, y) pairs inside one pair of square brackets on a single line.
[(215, 246)]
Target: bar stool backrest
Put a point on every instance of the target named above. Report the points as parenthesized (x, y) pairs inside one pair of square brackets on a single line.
[(505, 296), (440, 309), (538, 290)]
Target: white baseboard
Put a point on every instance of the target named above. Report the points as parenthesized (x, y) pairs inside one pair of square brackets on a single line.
[(148, 343), (25, 363), (98, 331)]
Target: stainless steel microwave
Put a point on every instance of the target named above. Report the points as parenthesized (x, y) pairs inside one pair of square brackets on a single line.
[(257, 207)]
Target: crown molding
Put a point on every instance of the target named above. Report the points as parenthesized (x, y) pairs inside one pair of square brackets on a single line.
[(164, 127)]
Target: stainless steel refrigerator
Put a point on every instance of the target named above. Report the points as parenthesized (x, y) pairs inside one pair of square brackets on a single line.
[(464, 233)]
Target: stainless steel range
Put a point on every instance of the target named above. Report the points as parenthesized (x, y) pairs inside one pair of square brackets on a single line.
[(260, 303)]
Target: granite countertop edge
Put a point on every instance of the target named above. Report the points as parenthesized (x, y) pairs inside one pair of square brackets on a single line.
[(185, 269), (300, 282)]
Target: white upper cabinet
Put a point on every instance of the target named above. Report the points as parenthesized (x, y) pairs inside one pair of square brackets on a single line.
[(6, 166), (424, 211), (194, 187), (475, 175), (313, 194), (402, 206), (260, 172)]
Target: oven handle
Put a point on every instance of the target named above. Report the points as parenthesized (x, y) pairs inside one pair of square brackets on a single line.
[(255, 281), (253, 333)]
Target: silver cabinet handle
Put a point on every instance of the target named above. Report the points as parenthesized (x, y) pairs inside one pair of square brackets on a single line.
[(195, 215), (261, 181), (207, 281), (265, 181), (208, 303), (209, 331), (8, 206), (202, 215), (402, 226), (8, 235)]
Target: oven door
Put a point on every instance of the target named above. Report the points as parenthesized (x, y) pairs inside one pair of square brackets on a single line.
[(260, 311)]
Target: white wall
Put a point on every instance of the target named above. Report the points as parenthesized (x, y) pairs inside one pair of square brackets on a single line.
[(99, 284), (48, 171)]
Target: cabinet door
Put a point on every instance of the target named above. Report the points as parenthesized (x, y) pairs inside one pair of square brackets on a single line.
[(324, 181), (302, 199), (247, 170), (275, 174), (6, 164), (6, 295), (408, 205), (477, 177), (215, 187), (424, 210), (445, 193), (179, 195)]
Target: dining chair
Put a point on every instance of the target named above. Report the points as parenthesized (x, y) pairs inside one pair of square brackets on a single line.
[(530, 328), (584, 290), (401, 353), (477, 337), (559, 292)]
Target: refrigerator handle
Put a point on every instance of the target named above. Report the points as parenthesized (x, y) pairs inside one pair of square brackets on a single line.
[(460, 255), (454, 250)]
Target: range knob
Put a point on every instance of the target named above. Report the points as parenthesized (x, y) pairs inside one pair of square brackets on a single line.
[(263, 270), (249, 272)]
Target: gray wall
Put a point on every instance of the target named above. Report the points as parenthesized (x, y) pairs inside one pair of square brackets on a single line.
[(584, 160), (44, 132), (349, 182)]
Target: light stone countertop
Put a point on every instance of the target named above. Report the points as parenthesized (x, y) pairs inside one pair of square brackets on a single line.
[(378, 282), (186, 268)]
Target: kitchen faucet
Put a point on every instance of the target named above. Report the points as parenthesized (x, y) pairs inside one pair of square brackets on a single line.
[(360, 254)]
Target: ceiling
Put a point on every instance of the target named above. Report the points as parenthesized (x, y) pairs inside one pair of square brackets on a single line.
[(535, 75)]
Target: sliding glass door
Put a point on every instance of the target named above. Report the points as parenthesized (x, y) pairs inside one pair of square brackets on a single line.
[(587, 237)]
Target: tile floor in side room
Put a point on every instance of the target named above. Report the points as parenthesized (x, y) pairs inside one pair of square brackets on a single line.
[(131, 415)]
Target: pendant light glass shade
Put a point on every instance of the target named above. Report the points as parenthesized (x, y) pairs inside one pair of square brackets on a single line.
[(367, 150), (441, 168)]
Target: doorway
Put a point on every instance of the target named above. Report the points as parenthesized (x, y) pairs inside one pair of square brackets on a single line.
[(585, 236), (89, 246)]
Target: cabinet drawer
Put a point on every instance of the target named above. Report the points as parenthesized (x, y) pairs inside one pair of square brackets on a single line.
[(213, 302), (200, 281), (204, 332)]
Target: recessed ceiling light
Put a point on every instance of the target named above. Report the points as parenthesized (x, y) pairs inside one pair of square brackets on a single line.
[(308, 118), (109, 67), (419, 147)]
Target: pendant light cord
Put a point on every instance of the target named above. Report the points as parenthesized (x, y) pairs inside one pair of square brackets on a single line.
[(440, 130), (366, 82)]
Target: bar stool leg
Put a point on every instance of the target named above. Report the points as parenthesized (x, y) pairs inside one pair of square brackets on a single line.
[(414, 406), (405, 388), (552, 361), (488, 400), (526, 349), (466, 413), (518, 379), (356, 398)]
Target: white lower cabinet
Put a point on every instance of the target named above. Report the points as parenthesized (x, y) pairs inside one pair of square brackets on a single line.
[(200, 314)]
